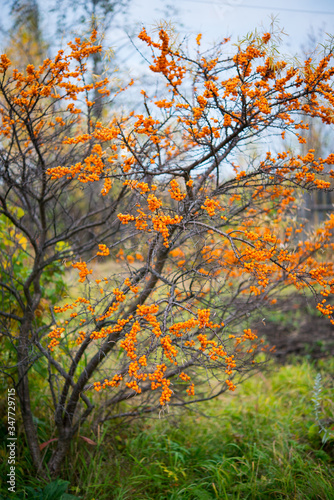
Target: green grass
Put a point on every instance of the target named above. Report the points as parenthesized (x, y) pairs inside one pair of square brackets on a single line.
[(256, 443)]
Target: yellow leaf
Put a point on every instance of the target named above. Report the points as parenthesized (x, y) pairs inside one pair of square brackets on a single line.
[(23, 242)]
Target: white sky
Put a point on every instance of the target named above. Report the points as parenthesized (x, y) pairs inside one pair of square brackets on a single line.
[(217, 19)]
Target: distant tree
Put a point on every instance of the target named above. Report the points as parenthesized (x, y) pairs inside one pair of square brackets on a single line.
[(192, 252), (25, 41)]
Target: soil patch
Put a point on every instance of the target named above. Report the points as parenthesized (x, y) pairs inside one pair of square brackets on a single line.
[(295, 328)]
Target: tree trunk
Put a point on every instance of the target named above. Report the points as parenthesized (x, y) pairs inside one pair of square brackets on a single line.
[(24, 397), (60, 452)]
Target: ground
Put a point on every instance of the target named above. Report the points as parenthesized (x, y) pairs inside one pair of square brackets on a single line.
[(296, 328)]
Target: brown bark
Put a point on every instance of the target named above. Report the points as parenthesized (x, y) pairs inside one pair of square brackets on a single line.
[(24, 398)]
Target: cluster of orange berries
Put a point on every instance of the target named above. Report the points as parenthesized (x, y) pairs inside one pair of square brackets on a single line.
[(103, 251), (169, 350), (141, 223), (321, 184), (81, 337), (175, 191), (190, 343), (203, 317), (227, 121), (53, 344), (100, 334), (59, 172), (203, 340), (105, 331), (145, 310), (201, 101), (163, 103), (153, 202), (210, 206), (184, 326), (127, 164), (157, 376), (65, 307), (263, 105), (119, 295), (230, 86), (83, 271), (134, 386), (211, 89), (114, 382), (127, 282), (142, 360), (243, 59), (230, 385), (184, 376), (77, 139), (55, 334), (326, 309), (145, 125), (106, 186), (203, 320), (133, 369), (251, 235), (161, 64), (249, 335), (230, 364), (166, 392), (93, 170), (125, 218), (157, 380), (191, 390), (149, 312), (6, 127), (217, 352), (161, 222), (142, 187), (130, 341), (255, 290), (5, 62)]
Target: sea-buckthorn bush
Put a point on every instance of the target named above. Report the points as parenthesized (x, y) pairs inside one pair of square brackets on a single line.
[(197, 235)]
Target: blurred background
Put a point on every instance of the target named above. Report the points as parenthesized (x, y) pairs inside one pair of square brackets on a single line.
[(51, 23)]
